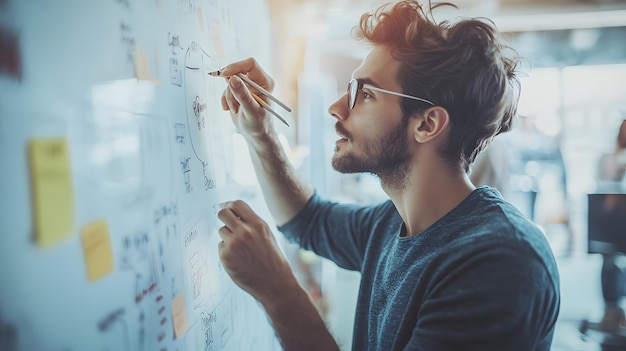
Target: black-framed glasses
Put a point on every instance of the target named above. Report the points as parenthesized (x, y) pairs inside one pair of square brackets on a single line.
[(354, 86)]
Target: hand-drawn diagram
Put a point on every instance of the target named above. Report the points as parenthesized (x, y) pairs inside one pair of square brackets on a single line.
[(161, 317), (197, 68), (115, 326), (166, 225), (176, 73), (190, 5), (137, 256), (180, 131), (196, 255), (153, 157)]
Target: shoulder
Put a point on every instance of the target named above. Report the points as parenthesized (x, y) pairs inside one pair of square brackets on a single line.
[(491, 227)]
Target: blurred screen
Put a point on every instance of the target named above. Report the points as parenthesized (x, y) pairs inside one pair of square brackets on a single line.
[(607, 223)]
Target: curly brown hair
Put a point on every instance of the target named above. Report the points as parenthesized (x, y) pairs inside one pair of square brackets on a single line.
[(464, 67)]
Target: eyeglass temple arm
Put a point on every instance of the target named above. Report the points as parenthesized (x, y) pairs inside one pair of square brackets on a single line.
[(397, 94)]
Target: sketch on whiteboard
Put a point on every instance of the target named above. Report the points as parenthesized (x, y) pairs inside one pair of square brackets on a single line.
[(166, 226), (207, 320), (176, 75), (196, 251), (152, 159), (126, 36), (180, 132), (137, 255), (197, 67), (116, 330), (190, 5)]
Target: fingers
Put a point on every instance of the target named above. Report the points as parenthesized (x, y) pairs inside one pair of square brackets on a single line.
[(233, 107), (231, 103), (241, 209), (252, 69), (232, 221), (225, 106), (225, 233), (237, 209), (240, 221), (244, 66), (229, 218), (242, 95)]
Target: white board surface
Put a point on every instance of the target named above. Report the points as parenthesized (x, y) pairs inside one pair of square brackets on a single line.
[(119, 89)]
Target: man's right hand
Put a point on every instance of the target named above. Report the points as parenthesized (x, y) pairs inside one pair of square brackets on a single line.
[(248, 116), (284, 193)]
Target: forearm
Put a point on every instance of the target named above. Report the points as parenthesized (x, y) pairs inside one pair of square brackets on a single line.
[(284, 193), (298, 323)]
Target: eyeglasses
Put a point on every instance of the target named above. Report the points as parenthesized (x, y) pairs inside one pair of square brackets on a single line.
[(354, 86)]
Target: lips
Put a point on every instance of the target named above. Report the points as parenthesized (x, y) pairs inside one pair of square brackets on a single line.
[(342, 132)]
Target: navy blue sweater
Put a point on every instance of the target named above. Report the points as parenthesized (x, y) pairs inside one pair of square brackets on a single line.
[(482, 277)]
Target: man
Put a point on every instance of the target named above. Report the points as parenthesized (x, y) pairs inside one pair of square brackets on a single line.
[(444, 265)]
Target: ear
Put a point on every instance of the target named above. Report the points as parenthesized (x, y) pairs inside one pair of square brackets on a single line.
[(432, 123)]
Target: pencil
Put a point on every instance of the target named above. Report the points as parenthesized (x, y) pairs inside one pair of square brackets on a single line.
[(261, 102), (265, 92), (268, 108), (256, 86)]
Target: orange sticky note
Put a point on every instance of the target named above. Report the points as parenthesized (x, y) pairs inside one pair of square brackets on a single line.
[(179, 315), (97, 249), (217, 40), (53, 196), (200, 19)]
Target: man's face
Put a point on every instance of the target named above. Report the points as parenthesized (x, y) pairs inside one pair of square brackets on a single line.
[(374, 136)]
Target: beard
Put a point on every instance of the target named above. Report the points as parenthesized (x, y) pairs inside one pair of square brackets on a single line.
[(386, 157)]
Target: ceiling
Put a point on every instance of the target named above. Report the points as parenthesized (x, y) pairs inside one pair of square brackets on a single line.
[(513, 14), (549, 32)]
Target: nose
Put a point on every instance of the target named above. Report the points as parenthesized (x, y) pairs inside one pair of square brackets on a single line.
[(339, 109)]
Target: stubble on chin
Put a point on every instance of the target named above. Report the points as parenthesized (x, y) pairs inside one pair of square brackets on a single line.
[(387, 158), (344, 163)]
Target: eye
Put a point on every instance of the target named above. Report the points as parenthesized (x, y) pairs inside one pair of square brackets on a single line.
[(366, 95)]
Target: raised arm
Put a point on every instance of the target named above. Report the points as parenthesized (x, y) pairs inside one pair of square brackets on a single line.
[(284, 193)]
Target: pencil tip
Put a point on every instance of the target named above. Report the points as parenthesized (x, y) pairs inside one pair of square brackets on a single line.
[(215, 73)]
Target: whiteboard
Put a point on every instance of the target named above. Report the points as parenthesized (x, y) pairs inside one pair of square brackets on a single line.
[(115, 153)]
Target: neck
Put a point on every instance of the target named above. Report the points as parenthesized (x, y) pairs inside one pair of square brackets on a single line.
[(427, 194)]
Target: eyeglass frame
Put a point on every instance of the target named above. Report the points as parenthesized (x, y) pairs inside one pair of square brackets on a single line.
[(360, 85)]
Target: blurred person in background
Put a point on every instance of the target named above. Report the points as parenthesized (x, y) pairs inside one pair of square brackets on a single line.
[(612, 166), (611, 170)]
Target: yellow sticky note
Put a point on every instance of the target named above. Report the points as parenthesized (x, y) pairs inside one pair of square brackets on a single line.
[(53, 196), (179, 315), (143, 71), (97, 249)]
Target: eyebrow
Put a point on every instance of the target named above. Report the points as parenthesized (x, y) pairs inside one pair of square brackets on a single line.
[(367, 80)]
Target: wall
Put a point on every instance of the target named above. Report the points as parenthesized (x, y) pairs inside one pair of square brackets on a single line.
[(115, 153)]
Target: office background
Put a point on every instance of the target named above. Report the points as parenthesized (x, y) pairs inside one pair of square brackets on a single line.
[(572, 104)]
